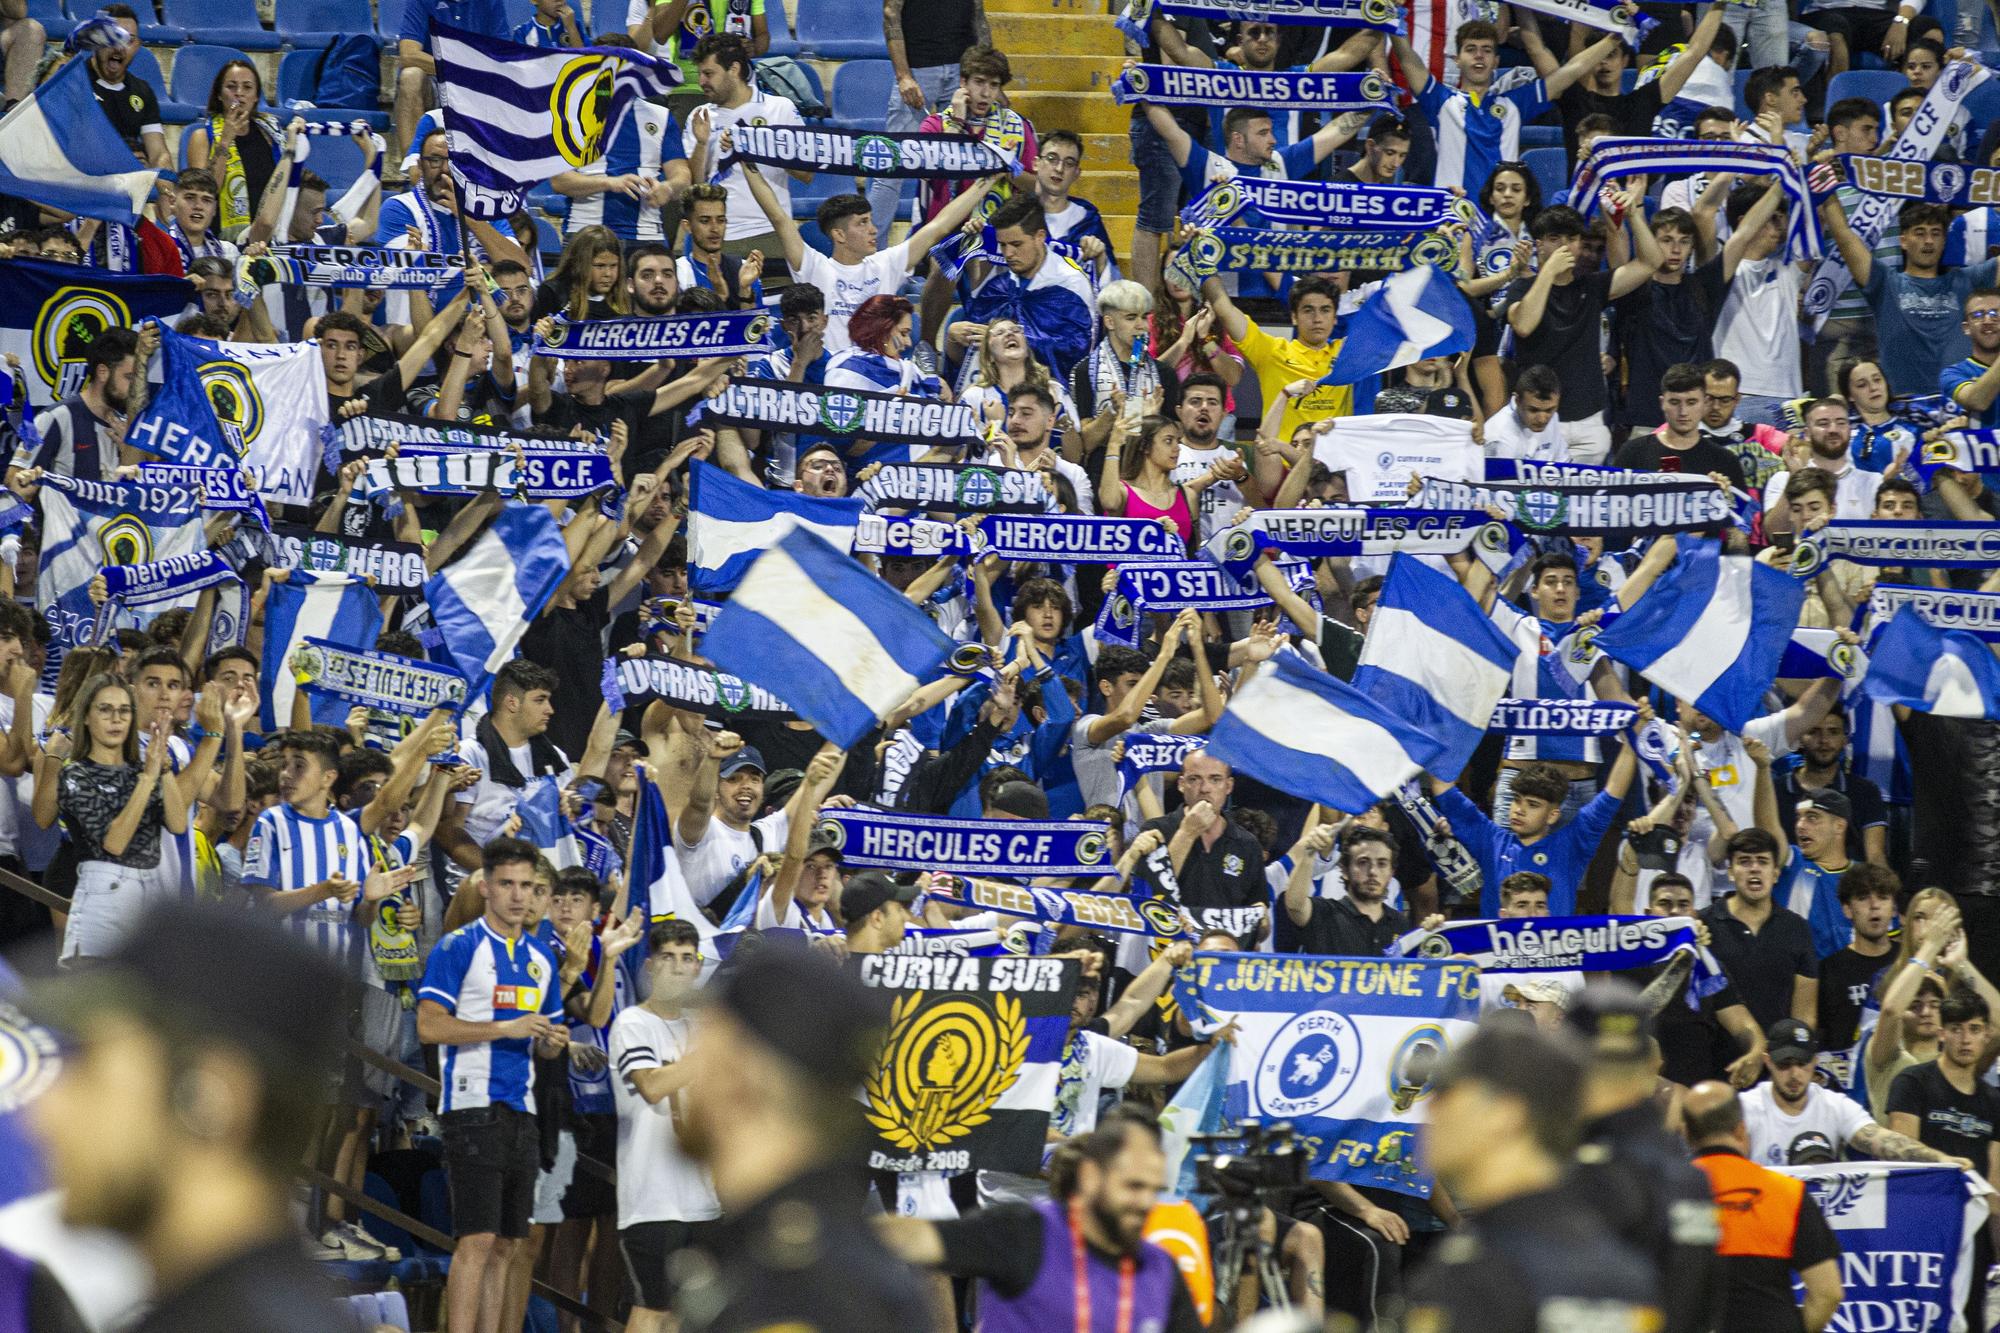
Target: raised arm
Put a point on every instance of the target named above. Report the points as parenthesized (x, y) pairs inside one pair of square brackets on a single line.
[(1753, 222), (1580, 65), (1854, 252), (1233, 321), (1675, 76), (1415, 72)]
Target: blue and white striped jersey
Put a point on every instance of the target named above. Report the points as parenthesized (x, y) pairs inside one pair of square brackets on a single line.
[(289, 851), (481, 976), (645, 141), (1555, 662)]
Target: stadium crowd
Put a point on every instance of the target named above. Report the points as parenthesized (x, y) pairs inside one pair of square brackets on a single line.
[(480, 873)]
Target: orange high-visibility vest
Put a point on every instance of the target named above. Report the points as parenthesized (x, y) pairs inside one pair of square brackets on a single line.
[(1177, 1227), (1757, 1208)]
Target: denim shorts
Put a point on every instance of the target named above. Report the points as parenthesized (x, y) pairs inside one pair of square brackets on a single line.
[(1159, 178)]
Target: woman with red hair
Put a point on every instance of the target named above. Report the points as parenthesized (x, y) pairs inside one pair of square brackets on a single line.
[(880, 328)]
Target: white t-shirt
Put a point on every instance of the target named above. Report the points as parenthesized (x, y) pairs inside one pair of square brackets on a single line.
[(713, 862), (1091, 1064), (1378, 453), (766, 919), (1493, 986), (1220, 502), (745, 217), (1733, 776), (846, 286), (1079, 481), (1758, 328), (1853, 494), (657, 1182), (492, 802), (1831, 1116), (1506, 437)]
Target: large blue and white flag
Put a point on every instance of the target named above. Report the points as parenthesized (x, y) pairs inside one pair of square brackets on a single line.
[(658, 890), (731, 523), (819, 631), (1947, 672), (1306, 733), (1906, 1232), (1435, 660), (88, 526), (1711, 631), (338, 608), (1344, 1048), (50, 314), (1416, 314), (518, 115), (484, 601), (58, 148), (248, 405)]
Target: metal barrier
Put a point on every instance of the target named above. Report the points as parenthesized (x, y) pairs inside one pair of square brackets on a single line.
[(417, 1078)]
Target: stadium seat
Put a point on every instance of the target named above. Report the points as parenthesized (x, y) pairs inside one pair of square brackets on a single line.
[(382, 1192), (337, 160), (389, 20), (841, 29), (520, 11), (298, 81), (434, 1209), (861, 91), (49, 13), (1982, 105), (195, 68), (1540, 136), (782, 41), (807, 195), (372, 1309), (231, 21), (1877, 85), (1549, 167), (1742, 107), (146, 65), (315, 23)]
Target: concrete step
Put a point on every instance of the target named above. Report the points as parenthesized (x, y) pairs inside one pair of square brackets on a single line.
[(1113, 191), (1046, 7), (1081, 113), (1064, 72), (1071, 33), (1120, 226)]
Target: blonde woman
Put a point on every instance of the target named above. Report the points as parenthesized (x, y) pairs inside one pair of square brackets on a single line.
[(1006, 363)]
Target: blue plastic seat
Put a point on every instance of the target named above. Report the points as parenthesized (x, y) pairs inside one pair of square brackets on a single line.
[(782, 41), (389, 19), (841, 29), (307, 24), (232, 21), (195, 68), (1877, 85), (1540, 136), (861, 90), (434, 1204), (338, 161), (1549, 167), (49, 13), (145, 65)]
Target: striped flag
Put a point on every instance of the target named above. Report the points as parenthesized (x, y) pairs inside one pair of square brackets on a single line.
[(58, 148), (1711, 631), (518, 114), (484, 601), (658, 889), (336, 607), (1313, 736), (731, 523), (1436, 660), (1948, 673)]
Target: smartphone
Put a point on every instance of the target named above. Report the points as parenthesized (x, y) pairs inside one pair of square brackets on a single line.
[(1784, 542)]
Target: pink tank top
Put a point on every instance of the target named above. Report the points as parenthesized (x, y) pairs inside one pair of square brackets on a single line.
[(1136, 506)]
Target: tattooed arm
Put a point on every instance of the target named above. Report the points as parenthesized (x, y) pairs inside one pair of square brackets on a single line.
[(1889, 1146)]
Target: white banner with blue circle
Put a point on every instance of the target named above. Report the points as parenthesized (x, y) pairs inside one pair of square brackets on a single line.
[(1343, 1048)]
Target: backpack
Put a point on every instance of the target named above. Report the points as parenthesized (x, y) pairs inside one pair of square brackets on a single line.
[(783, 76), (350, 73)]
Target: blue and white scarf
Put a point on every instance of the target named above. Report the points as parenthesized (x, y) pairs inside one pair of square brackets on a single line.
[(170, 580), (1615, 158), (720, 333), (1560, 717), (1240, 250), (391, 566), (1120, 913), (1144, 590), (946, 486), (1651, 505), (1615, 16), (1951, 183), (1073, 539), (1383, 15), (1897, 542), (1975, 613), (1030, 849), (869, 153), (842, 414), (223, 489), (1976, 449), (382, 682), (957, 250), (1270, 90), (633, 682), (1570, 944), (1348, 207), (1318, 533), (888, 534), (1147, 754), (547, 470)]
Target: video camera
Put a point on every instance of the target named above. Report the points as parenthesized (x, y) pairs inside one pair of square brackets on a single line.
[(1250, 1160)]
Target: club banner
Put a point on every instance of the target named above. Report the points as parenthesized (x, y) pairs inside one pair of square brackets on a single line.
[(634, 682), (1615, 16), (552, 470), (1120, 913), (166, 580), (260, 406), (371, 267), (89, 526), (1239, 250), (1906, 1232), (1381, 14), (1142, 590), (1893, 542), (969, 1070), (1079, 539), (1812, 653), (385, 682), (51, 313), (391, 566), (887, 534), (1976, 450), (1272, 90), (867, 153), (1951, 183), (843, 414), (222, 489), (1344, 1048), (1348, 207), (1976, 613), (1561, 717), (723, 333), (1029, 849), (1146, 754), (965, 490), (1318, 533), (1614, 159), (1663, 503), (1569, 944), (1917, 143)]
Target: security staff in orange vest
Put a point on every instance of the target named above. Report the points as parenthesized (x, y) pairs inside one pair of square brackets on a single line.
[(1771, 1228)]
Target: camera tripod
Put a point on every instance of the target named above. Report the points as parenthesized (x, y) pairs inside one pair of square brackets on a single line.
[(1242, 1242)]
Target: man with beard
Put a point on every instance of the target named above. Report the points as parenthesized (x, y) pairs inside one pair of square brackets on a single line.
[(1809, 884), (1823, 763), (1031, 419), (1360, 923), (1795, 1122), (1200, 413), (194, 1056), (769, 1109), (1917, 305), (1827, 446), (1082, 1250), (1974, 383), (428, 208), (81, 436)]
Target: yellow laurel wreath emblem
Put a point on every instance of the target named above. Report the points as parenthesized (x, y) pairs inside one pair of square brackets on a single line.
[(943, 1067)]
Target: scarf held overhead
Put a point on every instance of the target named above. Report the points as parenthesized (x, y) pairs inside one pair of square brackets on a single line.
[(895, 840), (721, 333), (1271, 90), (867, 153), (1287, 203), (844, 414)]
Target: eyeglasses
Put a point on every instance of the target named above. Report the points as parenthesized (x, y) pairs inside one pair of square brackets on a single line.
[(1725, 398), (1981, 316)]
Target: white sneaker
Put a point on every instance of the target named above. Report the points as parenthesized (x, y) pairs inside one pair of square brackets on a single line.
[(352, 1244), (326, 1248), (389, 1252)]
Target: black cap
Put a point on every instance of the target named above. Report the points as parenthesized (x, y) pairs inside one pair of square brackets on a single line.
[(772, 988), (1788, 1041), (234, 978), (867, 891), (1023, 800), (1811, 1148), (626, 740), (1826, 800), (780, 784), (828, 840), (1614, 1019)]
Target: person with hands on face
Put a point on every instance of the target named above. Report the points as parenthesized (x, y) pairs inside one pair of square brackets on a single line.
[(808, 869), (1359, 924)]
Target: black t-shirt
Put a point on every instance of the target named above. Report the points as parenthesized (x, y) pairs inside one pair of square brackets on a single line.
[(1764, 964), (1866, 798), (1634, 112), (1956, 829), (1693, 1043), (1761, 1298), (131, 107), (948, 27), (1650, 453), (1845, 978), (1957, 1124), (1003, 1246), (1337, 926), (1223, 886), (570, 642), (1567, 340), (1664, 324), (564, 412)]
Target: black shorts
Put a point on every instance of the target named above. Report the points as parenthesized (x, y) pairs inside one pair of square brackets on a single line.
[(649, 1248), (491, 1157), (591, 1194)]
